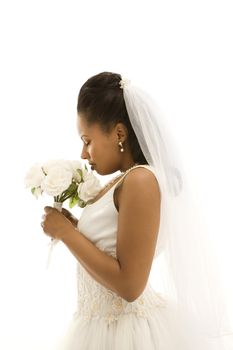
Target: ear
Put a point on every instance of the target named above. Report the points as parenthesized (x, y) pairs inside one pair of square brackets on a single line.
[(121, 132)]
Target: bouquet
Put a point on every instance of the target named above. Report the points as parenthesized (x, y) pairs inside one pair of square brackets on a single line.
[(63, 180)]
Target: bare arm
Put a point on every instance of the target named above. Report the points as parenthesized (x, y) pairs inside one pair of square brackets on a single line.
[(104, 268), (138, 224)]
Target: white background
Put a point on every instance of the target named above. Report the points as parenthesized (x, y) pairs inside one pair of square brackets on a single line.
[(179, 51)]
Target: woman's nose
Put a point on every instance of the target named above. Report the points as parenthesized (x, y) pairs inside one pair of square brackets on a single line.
[(83, 154)]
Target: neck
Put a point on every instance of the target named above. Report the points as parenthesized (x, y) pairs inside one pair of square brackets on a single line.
[(134, 165), (128, 166)]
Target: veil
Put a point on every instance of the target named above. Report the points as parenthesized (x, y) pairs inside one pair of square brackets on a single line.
[(185, 257)]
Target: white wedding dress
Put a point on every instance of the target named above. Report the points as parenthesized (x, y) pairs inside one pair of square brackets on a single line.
[(105, 321)]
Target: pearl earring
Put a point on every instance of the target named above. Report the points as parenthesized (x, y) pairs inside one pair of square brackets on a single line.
[(120, 144)]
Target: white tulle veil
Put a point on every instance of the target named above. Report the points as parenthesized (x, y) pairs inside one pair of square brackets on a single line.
[(187, 261)]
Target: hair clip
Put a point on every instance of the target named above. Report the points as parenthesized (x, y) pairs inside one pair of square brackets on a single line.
[(124, 82)]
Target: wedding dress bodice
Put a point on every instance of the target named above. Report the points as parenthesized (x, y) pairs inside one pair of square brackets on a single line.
[(98, 223)]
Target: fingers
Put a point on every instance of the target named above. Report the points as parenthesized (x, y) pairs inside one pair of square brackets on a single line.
[(70, 216), (66, 212), (48, 209)]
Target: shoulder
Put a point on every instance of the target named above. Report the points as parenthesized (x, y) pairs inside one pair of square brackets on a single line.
[(141, 173), (142, 179), (141, 176), (138, 183)]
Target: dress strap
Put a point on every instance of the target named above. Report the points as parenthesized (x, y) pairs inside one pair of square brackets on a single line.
[(127, 171)]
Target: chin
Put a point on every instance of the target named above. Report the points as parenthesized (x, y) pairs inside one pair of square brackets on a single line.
[(103, 173), (100, 172)]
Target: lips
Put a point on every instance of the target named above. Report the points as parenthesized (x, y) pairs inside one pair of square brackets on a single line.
[(92, 165)]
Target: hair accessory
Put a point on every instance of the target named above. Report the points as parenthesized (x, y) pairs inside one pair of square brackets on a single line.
[(124, 82)]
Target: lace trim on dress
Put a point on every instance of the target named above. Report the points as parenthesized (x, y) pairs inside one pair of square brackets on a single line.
[(94, 300)]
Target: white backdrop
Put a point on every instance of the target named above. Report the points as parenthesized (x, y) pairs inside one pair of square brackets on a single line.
[(179, 51)]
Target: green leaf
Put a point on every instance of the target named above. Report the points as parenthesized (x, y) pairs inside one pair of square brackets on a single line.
[(73, 200), (81, 203), (33, 190)]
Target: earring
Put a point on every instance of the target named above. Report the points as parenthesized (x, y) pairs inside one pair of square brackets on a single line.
[(121, 146)]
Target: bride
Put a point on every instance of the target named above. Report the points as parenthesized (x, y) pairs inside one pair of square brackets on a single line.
[(143, 220)]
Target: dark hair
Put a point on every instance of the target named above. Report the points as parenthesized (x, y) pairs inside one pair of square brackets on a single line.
[(101, 101)]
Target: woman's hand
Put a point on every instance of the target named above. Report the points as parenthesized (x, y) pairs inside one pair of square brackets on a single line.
[(56, 224)]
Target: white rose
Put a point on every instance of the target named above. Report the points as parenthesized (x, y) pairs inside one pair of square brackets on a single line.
[(34, 176), (58, 180), (89, 188), (64, 164), (76, 164), (86, 174)]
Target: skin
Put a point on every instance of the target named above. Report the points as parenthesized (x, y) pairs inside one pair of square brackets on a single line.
[(138, 219), (111, 159)]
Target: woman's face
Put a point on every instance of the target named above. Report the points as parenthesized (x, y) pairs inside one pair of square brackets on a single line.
[(100, 149)]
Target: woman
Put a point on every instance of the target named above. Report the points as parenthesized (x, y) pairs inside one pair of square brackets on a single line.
[(143, 215)]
